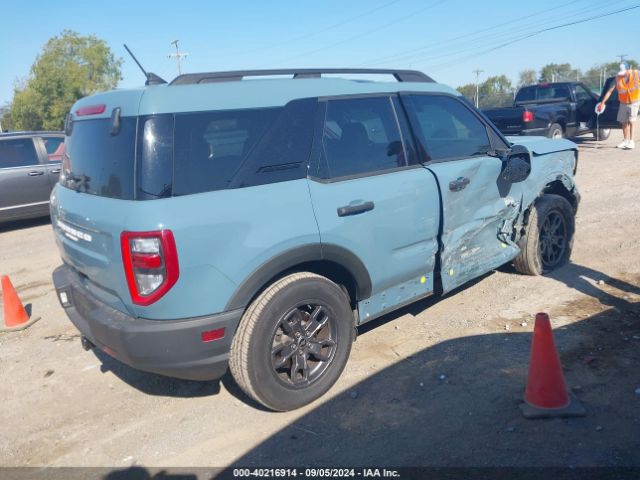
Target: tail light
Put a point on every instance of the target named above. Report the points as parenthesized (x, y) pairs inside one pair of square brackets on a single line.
[(91, 110), (150, 264), (527, 116)]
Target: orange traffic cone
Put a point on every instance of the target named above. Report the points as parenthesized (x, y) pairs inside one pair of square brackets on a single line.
[(546, 394), (15, 316)]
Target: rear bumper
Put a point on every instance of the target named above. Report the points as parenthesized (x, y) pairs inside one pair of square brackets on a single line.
[(168, 347)]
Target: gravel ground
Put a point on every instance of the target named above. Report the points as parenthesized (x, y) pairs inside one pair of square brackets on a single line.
[(435, 384)]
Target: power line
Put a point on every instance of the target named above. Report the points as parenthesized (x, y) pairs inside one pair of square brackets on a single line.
[(479, 43), (538, 32), (313, 34), (432, 46), (365, 33), (622, 57)]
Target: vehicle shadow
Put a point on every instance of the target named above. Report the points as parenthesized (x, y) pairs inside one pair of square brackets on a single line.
[(159, 385), (588, 281), (152, 384), (24, 224), (456, 404)]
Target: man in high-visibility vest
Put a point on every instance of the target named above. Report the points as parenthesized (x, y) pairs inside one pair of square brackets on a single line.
[(628, 85)]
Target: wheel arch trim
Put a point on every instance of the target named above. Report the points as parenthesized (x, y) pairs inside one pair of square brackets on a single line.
[(289, 259)]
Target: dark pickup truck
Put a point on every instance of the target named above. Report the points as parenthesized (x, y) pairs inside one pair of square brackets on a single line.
[(554, 110)]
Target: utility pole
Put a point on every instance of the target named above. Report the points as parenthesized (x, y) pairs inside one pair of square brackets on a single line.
[(622, 57), (178, 55), (477, 72)]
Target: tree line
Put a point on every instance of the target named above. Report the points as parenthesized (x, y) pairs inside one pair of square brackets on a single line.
[(498, 91), (72, 66)]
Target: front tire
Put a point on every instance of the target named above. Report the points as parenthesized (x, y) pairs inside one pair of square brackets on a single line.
[(548, 238), (293, 341)]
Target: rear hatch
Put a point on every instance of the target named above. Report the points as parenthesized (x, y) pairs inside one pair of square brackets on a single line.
[(96, 191)]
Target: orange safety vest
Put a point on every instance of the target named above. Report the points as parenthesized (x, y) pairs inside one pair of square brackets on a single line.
[(629, 92)]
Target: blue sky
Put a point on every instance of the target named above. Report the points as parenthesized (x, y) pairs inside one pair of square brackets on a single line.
[(446, 39)]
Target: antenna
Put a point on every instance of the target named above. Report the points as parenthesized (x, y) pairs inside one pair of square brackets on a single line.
[(178, 55), (152, 78), (135, 60)]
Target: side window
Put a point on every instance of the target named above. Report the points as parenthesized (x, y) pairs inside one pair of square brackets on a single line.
[(360, 135), (54, 147), (446, 128), (553, 92), (582, 94), (242, 148), (210, 147), (17, 153)]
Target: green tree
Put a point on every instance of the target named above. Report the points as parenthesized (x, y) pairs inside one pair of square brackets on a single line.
[(559, 72), (594, 77), (495, 91), (469, 91), (527, 77), (70, 67)]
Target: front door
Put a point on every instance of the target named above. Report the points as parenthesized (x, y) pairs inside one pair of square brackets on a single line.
[(478, 207), (370, 200), (24, 184), (609, 118)]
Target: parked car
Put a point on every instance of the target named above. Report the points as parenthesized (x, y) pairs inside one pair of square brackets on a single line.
[(29, 168), (219, 221), (554, 110)]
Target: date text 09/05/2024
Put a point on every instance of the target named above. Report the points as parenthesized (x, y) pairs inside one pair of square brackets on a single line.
[(315, 472)]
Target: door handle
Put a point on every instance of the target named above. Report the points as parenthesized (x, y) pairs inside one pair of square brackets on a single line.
[(355, 209), (459, 184), (36, 173), (57, 170)]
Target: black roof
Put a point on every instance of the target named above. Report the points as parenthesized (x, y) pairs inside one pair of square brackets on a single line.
[(237, 75)]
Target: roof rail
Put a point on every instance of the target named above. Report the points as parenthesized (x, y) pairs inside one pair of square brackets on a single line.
[(237, 75)]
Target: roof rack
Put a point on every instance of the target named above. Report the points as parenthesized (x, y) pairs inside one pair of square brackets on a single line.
[(237, 75)]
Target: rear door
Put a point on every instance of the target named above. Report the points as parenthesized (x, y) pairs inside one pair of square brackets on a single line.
[(370, 198), (478, 207), (24, 186)]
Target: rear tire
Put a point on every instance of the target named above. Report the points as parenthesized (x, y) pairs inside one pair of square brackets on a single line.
[(548, 238), (555, 131), (602, 135), (293, 341)]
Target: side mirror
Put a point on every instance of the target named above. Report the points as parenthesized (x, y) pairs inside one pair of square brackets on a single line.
[(517, 166)]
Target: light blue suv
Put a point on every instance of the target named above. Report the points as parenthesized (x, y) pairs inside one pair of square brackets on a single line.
[(247, 220)]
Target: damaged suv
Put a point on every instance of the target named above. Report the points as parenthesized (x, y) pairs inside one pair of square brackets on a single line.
[(250, 221)]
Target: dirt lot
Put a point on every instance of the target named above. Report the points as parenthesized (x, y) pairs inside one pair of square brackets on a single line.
[(435, 384)]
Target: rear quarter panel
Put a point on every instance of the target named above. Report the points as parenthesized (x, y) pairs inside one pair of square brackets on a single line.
[(221, 238)]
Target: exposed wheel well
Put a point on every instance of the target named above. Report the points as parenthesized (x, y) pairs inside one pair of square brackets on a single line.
[(558, 188)]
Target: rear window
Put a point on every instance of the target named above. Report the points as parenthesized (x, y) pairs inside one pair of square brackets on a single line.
[(187, 153), (526, 94), (99, 163)]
